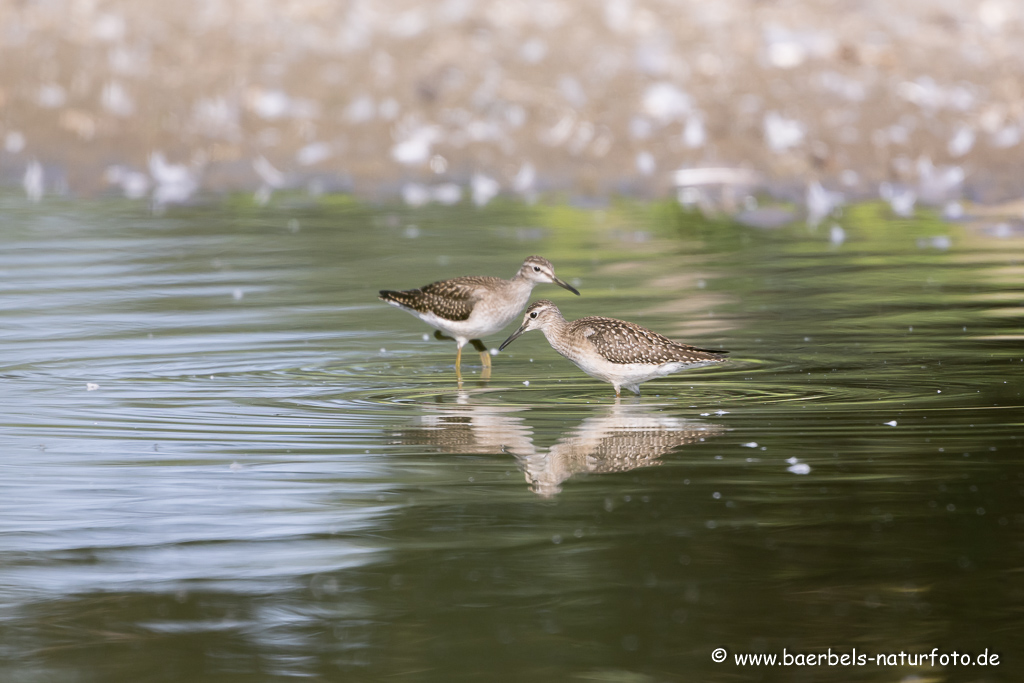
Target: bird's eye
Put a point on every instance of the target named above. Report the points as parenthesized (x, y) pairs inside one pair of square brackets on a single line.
[(536, 269), (533, 314)]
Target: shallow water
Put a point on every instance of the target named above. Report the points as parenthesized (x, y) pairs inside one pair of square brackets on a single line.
[(225, 460)]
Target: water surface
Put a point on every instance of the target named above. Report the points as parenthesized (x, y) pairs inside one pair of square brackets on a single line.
[(225, 460)]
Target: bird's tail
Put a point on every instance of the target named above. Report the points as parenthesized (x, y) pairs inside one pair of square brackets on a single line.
[(392, 297)]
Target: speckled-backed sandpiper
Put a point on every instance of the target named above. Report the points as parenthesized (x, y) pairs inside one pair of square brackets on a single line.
[(470, 308), (611, 350)]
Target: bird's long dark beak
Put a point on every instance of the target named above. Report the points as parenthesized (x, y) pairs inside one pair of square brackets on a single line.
[(566, 285), (512, 337)]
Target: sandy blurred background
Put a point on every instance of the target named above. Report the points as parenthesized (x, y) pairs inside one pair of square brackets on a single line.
[(921, 102)]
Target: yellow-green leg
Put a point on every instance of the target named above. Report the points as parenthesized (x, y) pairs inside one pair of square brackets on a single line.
[(485, 355)]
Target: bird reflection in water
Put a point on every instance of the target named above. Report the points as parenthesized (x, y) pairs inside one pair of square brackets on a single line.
[(464, 427), (620, 438)]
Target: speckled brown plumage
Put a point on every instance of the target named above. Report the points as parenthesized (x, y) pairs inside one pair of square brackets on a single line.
[(465, 287), (449, 299), (624, 342)]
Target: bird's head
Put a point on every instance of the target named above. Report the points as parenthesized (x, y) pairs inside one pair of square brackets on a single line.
[(539, 270), (539, 315)]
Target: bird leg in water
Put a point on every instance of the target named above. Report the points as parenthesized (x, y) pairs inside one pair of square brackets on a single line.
[(485, 355)]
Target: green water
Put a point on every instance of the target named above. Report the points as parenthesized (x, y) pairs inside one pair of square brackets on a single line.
[(224, 460)]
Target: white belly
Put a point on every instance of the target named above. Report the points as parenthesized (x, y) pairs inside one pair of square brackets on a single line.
[(631, 374), (480, 324)]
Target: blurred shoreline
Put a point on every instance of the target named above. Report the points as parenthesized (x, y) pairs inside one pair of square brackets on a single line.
[(920, 103)]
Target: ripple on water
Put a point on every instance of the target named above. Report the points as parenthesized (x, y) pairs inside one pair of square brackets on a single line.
[(742, 382), (259, 426)]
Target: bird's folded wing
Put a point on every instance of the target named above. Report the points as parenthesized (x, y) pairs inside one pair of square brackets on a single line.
[(451, 299), (624, 343)]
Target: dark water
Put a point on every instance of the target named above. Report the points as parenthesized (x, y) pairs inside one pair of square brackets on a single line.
[(224, 460)]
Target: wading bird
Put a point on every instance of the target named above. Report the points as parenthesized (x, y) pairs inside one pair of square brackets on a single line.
[(467, 309), (611, 350)]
